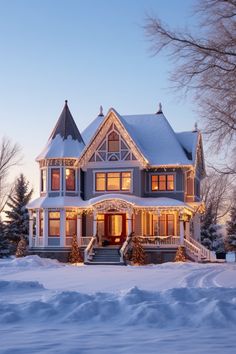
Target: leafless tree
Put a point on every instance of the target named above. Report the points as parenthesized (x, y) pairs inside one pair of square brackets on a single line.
[(216, 194), (205, 64), (9, 157)]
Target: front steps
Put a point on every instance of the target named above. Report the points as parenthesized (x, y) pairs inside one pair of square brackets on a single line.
[(105, 256)]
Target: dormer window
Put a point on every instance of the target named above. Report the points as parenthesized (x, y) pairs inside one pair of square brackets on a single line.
[(70, 179), (43, 180), (55, 179), (113, 142)]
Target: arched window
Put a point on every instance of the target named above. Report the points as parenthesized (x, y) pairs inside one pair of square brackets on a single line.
[(113, 142)]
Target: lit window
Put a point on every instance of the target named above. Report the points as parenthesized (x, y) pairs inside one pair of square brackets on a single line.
[(100, 181), (113, 181), (154, 182), (41, 223), (71, 224), (125, 181), (162, 182), (54, 224), (170, 225), (55, 179), (43, 180), (70, 179), (155, 227), (162, 225), (113, 142)]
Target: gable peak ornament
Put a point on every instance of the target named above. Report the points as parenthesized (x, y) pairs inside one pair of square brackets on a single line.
[(101, 112), (159, 109)]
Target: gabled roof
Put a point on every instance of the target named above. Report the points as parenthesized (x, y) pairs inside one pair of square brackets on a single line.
[(189, 141), (153, 136), (65, 139)]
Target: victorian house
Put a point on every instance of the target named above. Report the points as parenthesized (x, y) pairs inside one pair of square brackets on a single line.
[(123, 174)]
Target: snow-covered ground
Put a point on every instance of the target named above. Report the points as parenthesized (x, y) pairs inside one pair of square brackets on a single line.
[(49, 307)]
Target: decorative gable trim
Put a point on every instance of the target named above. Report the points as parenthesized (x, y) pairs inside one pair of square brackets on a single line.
[(94, 151)]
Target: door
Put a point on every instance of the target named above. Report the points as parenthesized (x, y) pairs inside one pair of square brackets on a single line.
[(115, 228)]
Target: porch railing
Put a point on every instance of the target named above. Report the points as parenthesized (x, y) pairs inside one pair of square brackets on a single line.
[(197, 250), (84, 241), (160, 241)]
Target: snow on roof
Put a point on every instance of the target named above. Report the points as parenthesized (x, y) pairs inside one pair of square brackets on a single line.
[(189, 140), (65, 139), (156, 139), (88, 132), (62, 202)]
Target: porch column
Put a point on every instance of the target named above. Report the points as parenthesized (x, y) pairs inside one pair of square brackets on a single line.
[(129, 223), (94, 223), (187, 230), (181, 227), (37, 228), (62, 227), (79, 228), (45, 227), (31, 226)]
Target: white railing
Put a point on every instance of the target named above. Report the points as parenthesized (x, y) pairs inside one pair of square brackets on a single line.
[(160, 241), (199, 252), (37, 242), (124, 248), (89, 249), (84, 241)]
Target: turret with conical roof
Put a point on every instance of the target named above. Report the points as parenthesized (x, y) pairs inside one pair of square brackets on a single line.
[(65, 140)]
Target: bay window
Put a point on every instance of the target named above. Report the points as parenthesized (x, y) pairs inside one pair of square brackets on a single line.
[(54, 224), (70, 179), (55, 179), (43, 180)]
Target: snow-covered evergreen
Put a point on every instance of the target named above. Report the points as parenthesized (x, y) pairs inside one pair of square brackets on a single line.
[(17, 224), (211, 236), (231, 230), (4, 244)]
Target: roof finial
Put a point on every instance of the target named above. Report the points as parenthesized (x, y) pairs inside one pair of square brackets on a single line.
[(160, 109), (195, 129), (101, 112), (66, 102)]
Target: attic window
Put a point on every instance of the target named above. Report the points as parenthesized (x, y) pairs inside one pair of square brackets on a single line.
[(113, 142)]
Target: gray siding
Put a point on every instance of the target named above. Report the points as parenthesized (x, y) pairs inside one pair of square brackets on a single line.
[(178, 193), (89, 188)]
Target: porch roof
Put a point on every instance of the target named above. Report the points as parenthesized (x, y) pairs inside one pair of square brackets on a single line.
[(133, 201)]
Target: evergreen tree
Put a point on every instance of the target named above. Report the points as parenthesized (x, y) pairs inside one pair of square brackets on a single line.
[(4, 243), (18, 217), (230, 242), (211, 237), (180, 254), (75, 256), (21, 250), (137, 251)]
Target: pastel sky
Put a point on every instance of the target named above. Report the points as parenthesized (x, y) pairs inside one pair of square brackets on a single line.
[(91, 52)]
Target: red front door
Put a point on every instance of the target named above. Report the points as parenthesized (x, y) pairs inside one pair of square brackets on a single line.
[(115, 228)]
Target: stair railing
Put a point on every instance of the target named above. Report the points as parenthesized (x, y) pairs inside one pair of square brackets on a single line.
[(205, 253), (89, 249), (124, 248)]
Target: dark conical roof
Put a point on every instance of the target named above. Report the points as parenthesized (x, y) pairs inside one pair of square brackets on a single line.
[(66, 126)]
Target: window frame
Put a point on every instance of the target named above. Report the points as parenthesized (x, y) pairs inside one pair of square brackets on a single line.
[(157, 176), (121, 181), (51, 178), (42, 171), (75, 179), (67, 218), (113, 132), (54, 219)]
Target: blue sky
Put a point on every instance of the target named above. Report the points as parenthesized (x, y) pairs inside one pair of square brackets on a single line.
[(89, 52)]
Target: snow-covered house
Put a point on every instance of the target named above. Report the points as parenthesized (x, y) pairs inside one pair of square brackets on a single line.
[(123, 174)]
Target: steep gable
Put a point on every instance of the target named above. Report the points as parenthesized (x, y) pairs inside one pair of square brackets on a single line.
[(111, 132)]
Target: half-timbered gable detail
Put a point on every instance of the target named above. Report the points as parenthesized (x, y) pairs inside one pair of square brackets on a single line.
[(124, 176)]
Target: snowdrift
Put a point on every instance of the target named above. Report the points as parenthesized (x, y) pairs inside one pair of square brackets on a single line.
[(194, 307), (30, 262)]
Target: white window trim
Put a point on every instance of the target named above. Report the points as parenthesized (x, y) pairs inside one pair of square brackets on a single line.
[(107, 171)]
